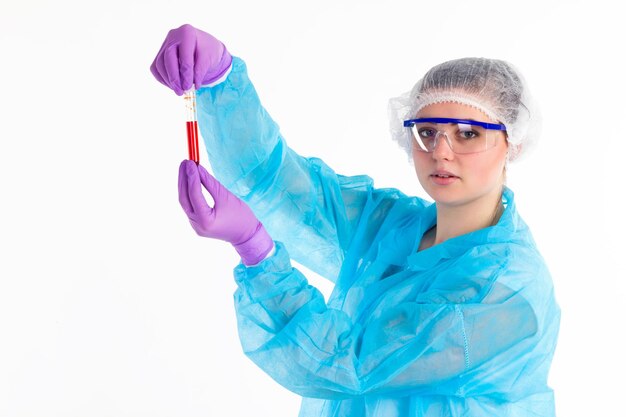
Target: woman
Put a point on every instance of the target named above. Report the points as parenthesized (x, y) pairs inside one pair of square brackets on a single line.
[(443, 309)]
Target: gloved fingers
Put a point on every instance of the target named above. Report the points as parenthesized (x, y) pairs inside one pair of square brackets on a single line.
[(215, 188), (198, 203), (202, 64), (159, 66), (155, 72), (158, 69), (172, 67), (186, 52), (198, 73), (183, 191)]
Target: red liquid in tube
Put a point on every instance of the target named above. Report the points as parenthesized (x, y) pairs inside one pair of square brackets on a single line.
[(192, 141)]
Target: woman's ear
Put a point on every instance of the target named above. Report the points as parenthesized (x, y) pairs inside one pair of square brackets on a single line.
[(506, 167), (514, 151)]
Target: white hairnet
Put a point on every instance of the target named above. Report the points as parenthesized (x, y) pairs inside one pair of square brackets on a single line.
[(490, 85)]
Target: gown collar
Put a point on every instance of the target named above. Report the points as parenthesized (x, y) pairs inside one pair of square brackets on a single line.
[(503, 231)]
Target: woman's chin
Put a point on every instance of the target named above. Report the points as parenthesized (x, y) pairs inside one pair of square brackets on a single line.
[(445, 194)]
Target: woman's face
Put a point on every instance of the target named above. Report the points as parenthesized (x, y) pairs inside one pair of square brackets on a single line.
[(475, 175)]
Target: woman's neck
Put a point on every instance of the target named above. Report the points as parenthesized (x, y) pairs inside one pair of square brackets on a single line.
[(453, 221)]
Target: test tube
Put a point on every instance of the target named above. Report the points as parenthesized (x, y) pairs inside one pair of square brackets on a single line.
[(192, 125)]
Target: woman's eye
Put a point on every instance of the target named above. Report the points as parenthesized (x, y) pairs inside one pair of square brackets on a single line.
[(468, 134), (426, 133)]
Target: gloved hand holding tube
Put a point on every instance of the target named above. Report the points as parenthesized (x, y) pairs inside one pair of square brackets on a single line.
[(190, 57), (230, 219)]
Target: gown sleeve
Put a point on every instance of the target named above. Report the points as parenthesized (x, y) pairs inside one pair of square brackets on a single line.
[(430, 345), (300, 201)]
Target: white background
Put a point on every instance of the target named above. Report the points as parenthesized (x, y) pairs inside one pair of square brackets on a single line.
[(110, 305)]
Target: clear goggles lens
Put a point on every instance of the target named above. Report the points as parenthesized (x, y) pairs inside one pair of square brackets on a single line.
[(463, 136)]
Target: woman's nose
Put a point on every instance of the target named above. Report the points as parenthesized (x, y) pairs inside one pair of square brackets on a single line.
[(443, 149)]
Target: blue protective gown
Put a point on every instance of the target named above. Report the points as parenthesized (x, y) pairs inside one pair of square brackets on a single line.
[(467, 327)]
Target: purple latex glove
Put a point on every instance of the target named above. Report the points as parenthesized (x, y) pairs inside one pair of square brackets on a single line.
[(189, 57), (230, 219)]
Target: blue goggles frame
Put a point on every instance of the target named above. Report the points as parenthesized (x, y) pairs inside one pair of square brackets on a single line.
[(490, 126)]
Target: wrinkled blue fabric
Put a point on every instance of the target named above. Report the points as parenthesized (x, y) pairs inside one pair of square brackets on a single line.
[(467, 327)]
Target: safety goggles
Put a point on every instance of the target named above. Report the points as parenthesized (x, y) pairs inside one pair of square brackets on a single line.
[(462, 135)]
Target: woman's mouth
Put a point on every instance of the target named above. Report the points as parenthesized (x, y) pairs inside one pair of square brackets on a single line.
[(443, 178)]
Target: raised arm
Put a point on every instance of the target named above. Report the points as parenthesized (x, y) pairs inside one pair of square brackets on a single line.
[(301, 201)]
